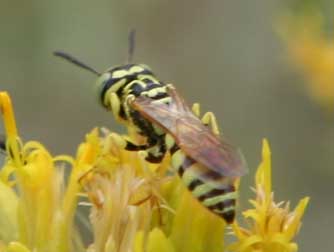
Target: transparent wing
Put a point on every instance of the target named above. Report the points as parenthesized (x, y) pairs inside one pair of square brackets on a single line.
[(191, 135)]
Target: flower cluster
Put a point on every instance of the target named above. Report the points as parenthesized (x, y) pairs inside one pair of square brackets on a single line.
[(272, 226), (134, 206)]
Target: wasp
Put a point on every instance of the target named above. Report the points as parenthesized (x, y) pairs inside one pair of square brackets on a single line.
[(208, 165)]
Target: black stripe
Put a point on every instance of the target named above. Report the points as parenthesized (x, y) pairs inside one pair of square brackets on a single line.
[(128, 78), (133, 147), (180, 171), (211, 175), (136, 89), (222, 205), (119, 91), (159, 96), (150, 84), (194, 184), (145, 126), (154, 159), (108, 85), (174, 149), (216, 192), (188, 162), (153, 85), (228, 216), (210, 194)]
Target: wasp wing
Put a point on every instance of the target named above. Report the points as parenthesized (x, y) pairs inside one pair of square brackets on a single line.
[(191, 135)]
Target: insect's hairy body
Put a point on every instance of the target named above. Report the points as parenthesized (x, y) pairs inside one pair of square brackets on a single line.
[(120, 84)]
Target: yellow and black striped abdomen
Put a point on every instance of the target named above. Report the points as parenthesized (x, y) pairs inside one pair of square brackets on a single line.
[(214, 191)]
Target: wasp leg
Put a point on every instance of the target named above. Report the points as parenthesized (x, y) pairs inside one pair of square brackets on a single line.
[(154, 159), (152, 156), (126, 144), (196, 109), (209, 119), (133, 147), (151, 152), (155, 153)]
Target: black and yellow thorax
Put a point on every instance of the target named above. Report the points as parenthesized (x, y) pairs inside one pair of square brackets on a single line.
[(119, 83)]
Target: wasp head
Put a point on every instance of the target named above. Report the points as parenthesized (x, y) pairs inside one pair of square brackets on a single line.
[(115, 79)]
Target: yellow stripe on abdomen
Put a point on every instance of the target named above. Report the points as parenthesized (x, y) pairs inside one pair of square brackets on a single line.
[(220, 198), (215, 192)]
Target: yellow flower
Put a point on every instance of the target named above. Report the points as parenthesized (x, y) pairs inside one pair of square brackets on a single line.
[(135, 206), (312, 53), (272, 226), (38, 211)]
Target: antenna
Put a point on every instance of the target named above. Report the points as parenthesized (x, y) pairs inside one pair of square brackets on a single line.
[(75, 61), (132, 43)]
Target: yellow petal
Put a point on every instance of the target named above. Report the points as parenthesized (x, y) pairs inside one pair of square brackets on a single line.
[(138, 245), (8, 213), (246, 245), (280, 243), (13, 141), (5, 174), (276, 221), (38, 171), (239, 232), (295, 222), (158, 242), (193, 227), (7, 110), (263, 174), (17, 247)]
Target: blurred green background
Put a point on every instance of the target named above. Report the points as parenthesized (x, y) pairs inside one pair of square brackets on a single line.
[(224, 54)]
